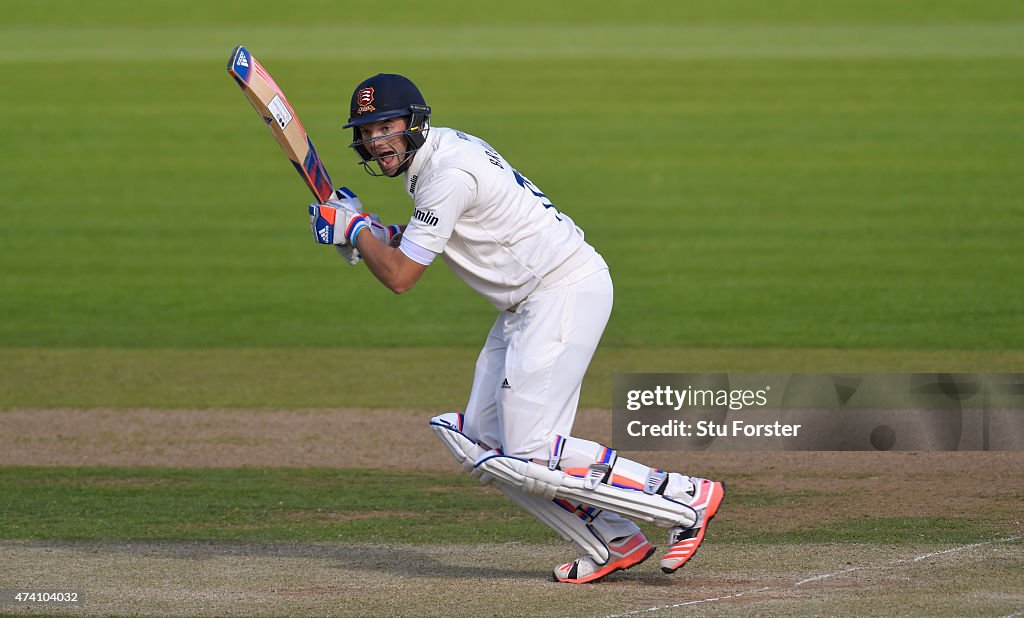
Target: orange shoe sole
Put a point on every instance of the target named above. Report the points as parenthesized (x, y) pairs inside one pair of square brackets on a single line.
[(619, 565)]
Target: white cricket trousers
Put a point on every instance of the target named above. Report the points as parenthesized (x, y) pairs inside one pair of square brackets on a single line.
[(528, 376)]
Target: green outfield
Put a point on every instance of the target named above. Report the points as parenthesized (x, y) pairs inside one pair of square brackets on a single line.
[(370, 505), (425, 378), (785, 186), (806, 178)]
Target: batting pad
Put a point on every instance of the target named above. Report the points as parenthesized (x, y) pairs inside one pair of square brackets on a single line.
[(539, 480), (568, 525), (448, 428)]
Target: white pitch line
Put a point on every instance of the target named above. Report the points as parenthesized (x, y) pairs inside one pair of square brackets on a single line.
[(823, 576), (826, 576), (900, 561), (658, 608)]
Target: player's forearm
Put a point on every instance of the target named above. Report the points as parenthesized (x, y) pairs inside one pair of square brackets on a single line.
[(388, 264)]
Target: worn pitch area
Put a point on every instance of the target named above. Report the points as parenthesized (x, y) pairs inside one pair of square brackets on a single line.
[(730, 575)]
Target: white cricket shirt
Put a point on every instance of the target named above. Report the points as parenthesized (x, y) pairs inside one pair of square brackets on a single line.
[(495, 229)]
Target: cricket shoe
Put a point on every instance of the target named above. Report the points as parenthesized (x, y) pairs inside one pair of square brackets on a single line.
[(622, 553), (684, 542)]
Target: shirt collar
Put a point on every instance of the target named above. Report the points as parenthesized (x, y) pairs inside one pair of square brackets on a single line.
[(419, 160)]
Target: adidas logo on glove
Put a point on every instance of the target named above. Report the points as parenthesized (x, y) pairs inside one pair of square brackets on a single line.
[(325, 234)]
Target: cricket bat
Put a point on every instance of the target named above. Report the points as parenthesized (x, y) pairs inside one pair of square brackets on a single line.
[(270, 103)]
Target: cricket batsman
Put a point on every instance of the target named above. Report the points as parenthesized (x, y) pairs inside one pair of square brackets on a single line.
[(505, 239)]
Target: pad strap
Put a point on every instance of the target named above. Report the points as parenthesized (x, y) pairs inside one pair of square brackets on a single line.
[(655, 481)]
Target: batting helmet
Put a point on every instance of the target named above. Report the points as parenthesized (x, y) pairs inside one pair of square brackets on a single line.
[(385, 96)]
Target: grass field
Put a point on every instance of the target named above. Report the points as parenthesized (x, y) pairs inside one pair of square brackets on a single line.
[(809, 180), (787, 186)]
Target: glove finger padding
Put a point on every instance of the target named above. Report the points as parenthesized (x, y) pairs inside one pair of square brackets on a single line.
[(345, 198), (349, 253)]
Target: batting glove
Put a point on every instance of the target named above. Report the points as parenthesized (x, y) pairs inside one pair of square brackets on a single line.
[(336, 226), (384, 233), (346, 198), (349, 253)]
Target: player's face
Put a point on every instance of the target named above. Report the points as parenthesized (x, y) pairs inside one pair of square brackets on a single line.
[(388, 143)]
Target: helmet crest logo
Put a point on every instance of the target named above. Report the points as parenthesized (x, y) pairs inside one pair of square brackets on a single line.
[(365, 100)]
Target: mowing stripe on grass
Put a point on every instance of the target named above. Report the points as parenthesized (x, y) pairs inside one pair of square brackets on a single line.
[(423, 378), (539, 41), (255, 504), (377, 505)]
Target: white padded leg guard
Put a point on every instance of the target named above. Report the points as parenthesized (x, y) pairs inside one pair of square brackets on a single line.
[(543, 481), (448, 428), (568, 525)]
